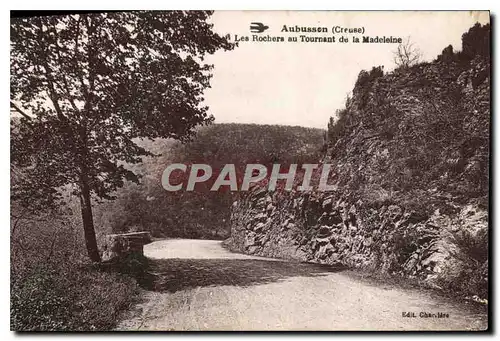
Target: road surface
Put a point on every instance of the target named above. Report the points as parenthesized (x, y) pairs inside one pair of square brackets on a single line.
[(198, 285)]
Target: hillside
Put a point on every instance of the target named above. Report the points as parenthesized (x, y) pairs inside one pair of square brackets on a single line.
[(410, 156)]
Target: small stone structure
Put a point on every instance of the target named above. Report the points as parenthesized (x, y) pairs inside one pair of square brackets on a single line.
[(118, 246)]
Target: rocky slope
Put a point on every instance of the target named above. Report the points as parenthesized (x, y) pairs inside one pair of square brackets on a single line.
[(410, 154)]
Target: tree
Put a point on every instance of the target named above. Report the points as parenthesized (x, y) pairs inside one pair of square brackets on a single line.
[(87, 85), (407, 54)]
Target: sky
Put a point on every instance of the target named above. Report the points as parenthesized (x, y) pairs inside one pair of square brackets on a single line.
[(304, 83)]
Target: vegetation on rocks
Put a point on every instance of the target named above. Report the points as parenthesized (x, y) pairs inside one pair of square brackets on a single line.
[(410, 154)]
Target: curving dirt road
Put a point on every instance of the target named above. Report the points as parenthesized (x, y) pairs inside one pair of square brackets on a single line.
[(198, 285)]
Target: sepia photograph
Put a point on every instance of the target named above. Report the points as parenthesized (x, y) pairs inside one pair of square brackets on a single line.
[(250, 171)]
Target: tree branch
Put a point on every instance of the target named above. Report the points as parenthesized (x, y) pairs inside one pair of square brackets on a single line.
[(65, 81), (52, 91), (13, 105)]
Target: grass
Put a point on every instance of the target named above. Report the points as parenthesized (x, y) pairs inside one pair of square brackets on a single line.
[(69, 297)]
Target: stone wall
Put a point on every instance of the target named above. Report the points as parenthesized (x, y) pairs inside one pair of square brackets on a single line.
[(119, 246)]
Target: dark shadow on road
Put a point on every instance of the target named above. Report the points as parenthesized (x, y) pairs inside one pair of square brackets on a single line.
[(171, 275)]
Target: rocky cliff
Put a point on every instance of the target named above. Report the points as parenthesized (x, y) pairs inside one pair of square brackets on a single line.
[(410, 154)]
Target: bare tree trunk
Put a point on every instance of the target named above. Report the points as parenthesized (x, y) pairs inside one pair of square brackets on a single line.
[(87, 218)]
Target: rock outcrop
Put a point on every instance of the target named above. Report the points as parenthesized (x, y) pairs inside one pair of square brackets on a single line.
[(410, 154), (329, 229)]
